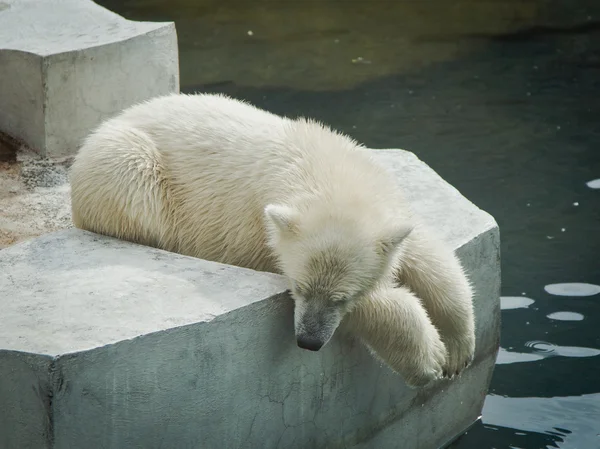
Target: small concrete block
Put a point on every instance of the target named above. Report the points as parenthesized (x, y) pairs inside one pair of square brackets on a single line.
[(67, 65), (108, 344)]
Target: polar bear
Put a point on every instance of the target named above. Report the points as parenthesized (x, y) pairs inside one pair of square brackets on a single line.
[(216, 178)]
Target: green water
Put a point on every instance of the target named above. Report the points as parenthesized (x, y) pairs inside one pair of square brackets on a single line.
[(502, 99)]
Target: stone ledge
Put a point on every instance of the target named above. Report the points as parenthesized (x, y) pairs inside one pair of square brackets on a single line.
[(129, 346), (67, 65), (117, 290)]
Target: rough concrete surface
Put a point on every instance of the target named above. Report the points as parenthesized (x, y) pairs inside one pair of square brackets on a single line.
[(69, 64), (34, 197), (108, 344)]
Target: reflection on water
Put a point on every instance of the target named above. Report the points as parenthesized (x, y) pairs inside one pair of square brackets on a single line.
[(573, 289), (543, 350), (551, 416), (321, 45), (502, 99), (506, 357), (550, 350), (566, 316), (515, 302)]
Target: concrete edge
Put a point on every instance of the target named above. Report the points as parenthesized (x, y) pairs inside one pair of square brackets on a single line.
[(452, 188), (53, 359), (459, 434), (57, 358), (152, 27), (183, 328), (493, 235), (435, 392), (23, 52), (162, 29)]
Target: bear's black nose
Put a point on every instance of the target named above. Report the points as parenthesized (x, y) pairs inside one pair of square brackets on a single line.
[(312, 344)]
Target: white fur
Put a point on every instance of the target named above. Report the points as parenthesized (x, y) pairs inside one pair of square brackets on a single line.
[(215, 178)]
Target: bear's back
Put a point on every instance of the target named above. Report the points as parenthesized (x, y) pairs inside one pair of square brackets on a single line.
[(193, 173), (188, 174)]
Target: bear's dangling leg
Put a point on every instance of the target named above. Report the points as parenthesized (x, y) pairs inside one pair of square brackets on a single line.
[(395, 327), (433, 272)]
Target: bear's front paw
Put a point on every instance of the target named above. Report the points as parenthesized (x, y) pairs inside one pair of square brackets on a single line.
[(429, 364), (460, 355)]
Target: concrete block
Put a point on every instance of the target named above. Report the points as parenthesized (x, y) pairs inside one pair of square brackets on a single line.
[(67, 65), (108, 344)]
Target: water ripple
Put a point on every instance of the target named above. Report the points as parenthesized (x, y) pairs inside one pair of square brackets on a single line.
[(543, 350), (508, 357), (550, 350), (573, 418)]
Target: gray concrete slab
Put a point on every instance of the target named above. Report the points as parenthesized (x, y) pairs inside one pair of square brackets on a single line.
[(85, 291), (129, 346), (69, 64)]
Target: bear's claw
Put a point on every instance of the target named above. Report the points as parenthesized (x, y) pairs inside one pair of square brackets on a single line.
[(460, 356), (430, 364)]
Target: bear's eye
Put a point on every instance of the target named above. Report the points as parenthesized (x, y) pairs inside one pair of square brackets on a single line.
[(297, 288), (340, 299)]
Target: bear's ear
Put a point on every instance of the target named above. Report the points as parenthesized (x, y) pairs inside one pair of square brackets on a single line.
[(282, 218), (392, 241)]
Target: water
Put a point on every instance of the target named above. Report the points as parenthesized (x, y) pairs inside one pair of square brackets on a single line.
[(566, 316), (502, 99), (573, 289), (515, 302)]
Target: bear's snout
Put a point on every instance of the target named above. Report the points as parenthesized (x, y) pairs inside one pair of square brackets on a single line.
[(310, 343)]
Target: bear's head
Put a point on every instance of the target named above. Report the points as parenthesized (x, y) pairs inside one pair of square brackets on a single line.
[(332, 262)]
